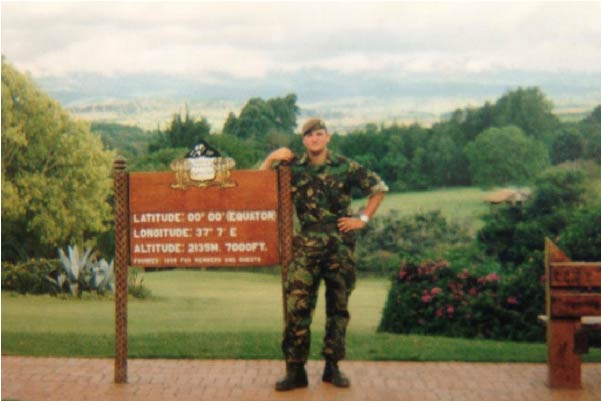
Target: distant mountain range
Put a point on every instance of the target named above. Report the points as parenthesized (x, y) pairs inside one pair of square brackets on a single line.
[(151, 98)]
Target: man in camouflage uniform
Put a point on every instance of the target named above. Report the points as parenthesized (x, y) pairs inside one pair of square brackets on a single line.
[(321, 192)]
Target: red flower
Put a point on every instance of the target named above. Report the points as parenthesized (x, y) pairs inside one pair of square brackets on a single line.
[(435, 291), (492, 277), (512, 301), (439, 312), (450, 310), (426, 298), (473, 292), (464, 274)]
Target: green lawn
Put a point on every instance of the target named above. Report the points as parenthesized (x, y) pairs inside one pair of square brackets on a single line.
[(215, 314), (459, 205)]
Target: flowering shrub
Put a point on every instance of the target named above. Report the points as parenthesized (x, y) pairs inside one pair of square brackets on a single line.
[(430, 297)]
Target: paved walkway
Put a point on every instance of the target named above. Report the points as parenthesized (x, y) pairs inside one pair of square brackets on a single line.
[(63, 379)]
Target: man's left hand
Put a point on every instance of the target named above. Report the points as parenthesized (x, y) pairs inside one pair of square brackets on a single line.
[(346, 224)]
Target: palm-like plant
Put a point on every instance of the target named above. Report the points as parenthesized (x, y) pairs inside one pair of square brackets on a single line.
[(82, 272)]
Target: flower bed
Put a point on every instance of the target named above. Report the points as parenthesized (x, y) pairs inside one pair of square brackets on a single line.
[(430, 297)]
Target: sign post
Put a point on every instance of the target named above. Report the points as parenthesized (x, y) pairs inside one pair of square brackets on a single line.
[(164, 219), (121, 192)]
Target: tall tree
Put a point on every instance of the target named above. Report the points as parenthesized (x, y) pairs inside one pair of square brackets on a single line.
[(182, 133), (55, 173), (501, 156), (260, 118), (529, 109)]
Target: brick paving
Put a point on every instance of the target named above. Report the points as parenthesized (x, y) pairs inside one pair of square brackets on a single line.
[(65, 379)]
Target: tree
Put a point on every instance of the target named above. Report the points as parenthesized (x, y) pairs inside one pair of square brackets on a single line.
[(129, 141), (591, 131), (259, 118), (500, 156), (568, 145), (182, 133), (453, 166), (55, 173), (528, 109)]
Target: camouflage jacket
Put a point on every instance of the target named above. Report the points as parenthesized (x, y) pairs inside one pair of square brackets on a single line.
[(322, 194)]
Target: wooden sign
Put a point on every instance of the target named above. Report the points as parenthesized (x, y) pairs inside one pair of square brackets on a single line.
[(575, 304), (576, 274), (238, 218), (204, 226)]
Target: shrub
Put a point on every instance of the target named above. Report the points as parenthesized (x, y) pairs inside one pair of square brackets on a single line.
[(515, 234), (82, 272), (390, 238), (381, 263), (29, 277), (135, 285), (432, 298), (582, 236)]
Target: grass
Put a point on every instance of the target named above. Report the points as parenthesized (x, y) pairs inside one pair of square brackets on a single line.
[(459, 205), (214, 314)]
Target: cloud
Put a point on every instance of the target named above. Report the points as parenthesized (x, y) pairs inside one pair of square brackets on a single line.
[(255, 39)]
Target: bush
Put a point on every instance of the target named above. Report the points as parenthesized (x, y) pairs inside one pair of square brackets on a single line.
[(515, 234), (432, 298), (135, 285), (382, 263), (29, 277), (83, 272), (582, 236), (390, 238)]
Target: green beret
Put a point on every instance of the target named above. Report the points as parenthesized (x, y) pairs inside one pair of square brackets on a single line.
[(313, 124)]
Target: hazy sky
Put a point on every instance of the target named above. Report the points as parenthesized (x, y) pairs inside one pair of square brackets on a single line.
[(254, 39)]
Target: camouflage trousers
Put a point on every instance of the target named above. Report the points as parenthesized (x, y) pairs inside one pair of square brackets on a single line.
[(318, 255)]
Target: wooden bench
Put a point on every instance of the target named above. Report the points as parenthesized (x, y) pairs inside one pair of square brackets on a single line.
[(573, 310)]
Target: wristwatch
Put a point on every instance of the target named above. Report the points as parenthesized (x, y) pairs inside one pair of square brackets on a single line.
[(364, 218)]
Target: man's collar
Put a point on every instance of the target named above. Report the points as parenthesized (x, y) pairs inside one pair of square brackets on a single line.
[(331, 159)]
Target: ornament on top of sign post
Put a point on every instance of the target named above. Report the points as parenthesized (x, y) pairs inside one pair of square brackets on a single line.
[(202, 167)]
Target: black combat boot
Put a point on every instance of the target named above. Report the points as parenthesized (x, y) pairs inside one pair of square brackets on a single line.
[(332, 374), (296, 377)]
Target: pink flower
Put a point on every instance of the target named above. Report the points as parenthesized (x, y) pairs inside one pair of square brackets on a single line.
[(464, 274), (439, 312), (450, 310), (492, 277), (426, 298), (402, 274), (435, 291), (473, 292), (512, 301)]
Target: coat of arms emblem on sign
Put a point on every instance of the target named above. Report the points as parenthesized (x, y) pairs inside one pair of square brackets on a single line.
[(202, 167)]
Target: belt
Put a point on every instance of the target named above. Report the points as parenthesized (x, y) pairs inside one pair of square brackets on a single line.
[(320, 227)]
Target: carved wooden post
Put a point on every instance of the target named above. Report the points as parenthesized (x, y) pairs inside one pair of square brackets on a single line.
[(286, 226), (564, 363), (121, 192)]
